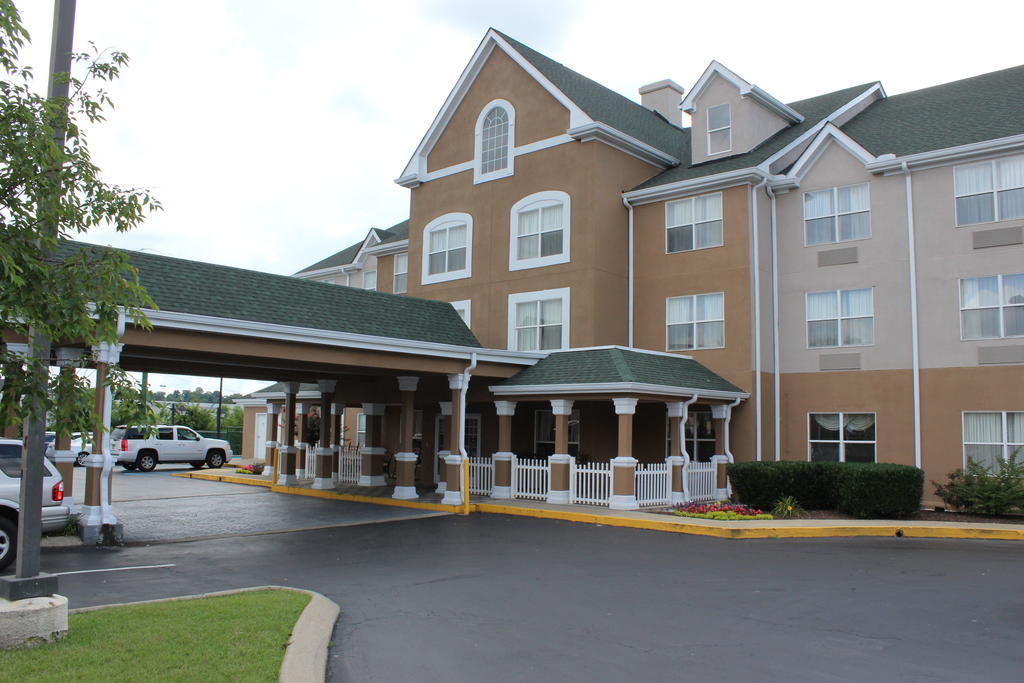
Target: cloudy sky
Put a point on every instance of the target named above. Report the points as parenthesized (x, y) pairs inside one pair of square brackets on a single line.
[(272, 130)]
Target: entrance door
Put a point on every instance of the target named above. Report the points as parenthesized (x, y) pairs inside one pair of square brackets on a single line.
[(260, 442)]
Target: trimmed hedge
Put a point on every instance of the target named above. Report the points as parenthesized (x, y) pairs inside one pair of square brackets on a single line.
[(862, 490)]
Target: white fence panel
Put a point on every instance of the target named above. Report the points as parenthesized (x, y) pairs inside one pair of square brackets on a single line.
[(349, 464), (652, 484), (481, 476), (701, 478), (592, 483), (531, 478)]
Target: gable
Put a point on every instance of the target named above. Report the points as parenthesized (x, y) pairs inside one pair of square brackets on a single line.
[(538, 115), (752, 123)]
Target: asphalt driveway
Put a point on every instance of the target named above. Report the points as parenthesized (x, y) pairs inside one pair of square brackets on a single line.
[(501, 598)]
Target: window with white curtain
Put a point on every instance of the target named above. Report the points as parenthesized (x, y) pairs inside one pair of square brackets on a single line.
[(991, 438), (841, 437), (839, 214), (361, 430), (401, 274), (693, 223), (370, 279), (539, 321), (719, 129), (448, 248), (844, 317), (539, 230), (992, 307), (695, 322), (544, 433), (990, 191)]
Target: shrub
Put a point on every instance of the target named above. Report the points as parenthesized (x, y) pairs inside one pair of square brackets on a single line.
[(762, 484), (787, 507), (879, 490), (979, 490)]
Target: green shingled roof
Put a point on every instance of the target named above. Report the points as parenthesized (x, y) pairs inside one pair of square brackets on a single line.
[(278, 388), (985, 107), (605, 105), (399, 231), (615, 365), (201, 288)]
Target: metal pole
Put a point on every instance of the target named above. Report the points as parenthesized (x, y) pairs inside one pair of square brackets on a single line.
[(32, 452)]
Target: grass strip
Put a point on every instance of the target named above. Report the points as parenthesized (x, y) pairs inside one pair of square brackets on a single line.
[(238, 637)]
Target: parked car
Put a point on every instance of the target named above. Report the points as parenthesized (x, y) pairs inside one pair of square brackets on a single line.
[(133, 448), (55, 512)]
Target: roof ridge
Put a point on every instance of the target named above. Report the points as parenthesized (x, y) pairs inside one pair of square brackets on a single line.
[(621, 364)]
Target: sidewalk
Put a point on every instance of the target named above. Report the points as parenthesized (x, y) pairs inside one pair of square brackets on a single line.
[(638, 519)]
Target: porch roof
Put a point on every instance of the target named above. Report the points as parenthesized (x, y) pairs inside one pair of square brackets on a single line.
[(616, 369)]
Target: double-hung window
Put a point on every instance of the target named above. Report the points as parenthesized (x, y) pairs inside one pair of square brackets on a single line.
[(992, 307), (448, 248), (990, 191), (370, 279), (839, 214), (695, 322), (361, 430), (841, 437), (401, 284), (991, 438), (539, 231), (844, 317), (693, 223), (719, 129), (539, 321)]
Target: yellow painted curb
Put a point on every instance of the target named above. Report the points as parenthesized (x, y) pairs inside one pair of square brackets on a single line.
[(251, 480), (334, 495)]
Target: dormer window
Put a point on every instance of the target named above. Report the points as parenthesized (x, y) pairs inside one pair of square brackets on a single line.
[(495, 138), (719, 129)]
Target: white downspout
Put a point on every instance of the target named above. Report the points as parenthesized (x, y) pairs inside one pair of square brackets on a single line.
[(912, 256), (776, 393), (462, 431), (728, 419), (629, 323), (757, 315)]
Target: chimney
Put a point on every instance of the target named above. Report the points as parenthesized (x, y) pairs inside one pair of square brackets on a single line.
[(664, 97)]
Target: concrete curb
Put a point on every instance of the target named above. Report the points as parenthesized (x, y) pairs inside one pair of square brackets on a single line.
[(682, 525), (305, 654)]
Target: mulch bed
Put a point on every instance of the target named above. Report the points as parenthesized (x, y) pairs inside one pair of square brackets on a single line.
[(920, 516)]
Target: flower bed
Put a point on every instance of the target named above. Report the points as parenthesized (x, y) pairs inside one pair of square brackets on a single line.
[(250, 469), (719, 511)]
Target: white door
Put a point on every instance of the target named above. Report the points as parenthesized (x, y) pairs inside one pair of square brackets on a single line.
[(260, 445)]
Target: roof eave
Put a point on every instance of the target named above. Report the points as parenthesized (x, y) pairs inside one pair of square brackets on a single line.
[(602, 132), (614, 388), (892, 163), (718, 181)]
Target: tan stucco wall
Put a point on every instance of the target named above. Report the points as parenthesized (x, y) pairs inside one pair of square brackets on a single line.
[(752, 124), (537, 114), (882, 265), (249, 416)]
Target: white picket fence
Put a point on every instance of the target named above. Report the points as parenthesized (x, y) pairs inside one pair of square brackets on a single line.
[(349, 464), (653, 483), (531, 478), (592, 483), (481, 476), (701, 478)]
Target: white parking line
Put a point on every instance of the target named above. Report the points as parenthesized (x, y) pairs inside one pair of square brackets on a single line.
[(117, 569)]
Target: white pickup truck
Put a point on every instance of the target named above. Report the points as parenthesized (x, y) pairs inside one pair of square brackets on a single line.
[(132, 449)]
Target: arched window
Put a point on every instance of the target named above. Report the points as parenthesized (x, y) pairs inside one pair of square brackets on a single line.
[(448, 248), (495, 138), (539, 230)]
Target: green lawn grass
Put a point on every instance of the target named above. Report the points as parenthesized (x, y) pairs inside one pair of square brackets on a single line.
[(237, 637)]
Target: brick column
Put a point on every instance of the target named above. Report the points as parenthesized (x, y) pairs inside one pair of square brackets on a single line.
[(678, 457), (270, 459), (302, 410), (624, 464), (287, 452), (455, 462), (324, 456), (445, 446), (98, 522), (63, 456), (405, 482), (372, 470), (558, 491), (503, 457), (338, 441)]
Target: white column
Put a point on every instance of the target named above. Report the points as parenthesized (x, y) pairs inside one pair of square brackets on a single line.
[(374, 453), (452, 497), (503, 457), (439, 458), (560, 462), (624, 464), (405, 459), (103, 514), (337, 439)]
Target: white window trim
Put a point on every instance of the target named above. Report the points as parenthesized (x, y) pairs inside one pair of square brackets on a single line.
[(467, 304), (478, 175), (443, 222), (693, 199), (995, 192), (840, 318), (836, 213), (840, 441), (710, 130), (547, 197), (562, 293), (395, 274), (999, 306), (695, 322), (1005, 443)]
